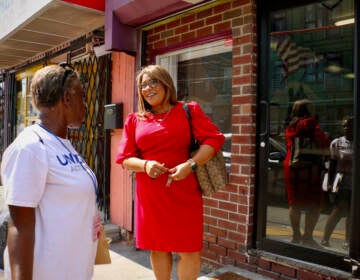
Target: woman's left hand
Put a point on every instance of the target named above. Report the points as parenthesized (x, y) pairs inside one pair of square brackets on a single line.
[(180, 171)]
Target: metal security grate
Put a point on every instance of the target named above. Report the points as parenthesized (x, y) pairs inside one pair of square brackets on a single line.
[(92, 140)]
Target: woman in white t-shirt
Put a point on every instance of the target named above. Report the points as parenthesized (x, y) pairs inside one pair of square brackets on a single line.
[(49, 189)]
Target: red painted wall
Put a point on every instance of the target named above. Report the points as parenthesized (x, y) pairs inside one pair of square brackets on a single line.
[(92, 4), (121, 190)]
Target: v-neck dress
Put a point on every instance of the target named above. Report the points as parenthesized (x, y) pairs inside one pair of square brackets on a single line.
[(168, 218)]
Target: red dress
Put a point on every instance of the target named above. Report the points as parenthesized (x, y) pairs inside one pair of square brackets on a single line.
[(167, 218), (303, 185)]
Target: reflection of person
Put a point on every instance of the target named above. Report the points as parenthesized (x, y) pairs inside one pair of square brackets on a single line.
[(303, 184), (155, 145), (341, 151), (50, 191)]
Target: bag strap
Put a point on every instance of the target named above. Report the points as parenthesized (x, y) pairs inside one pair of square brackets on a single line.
[(187, 111), (194, 143)]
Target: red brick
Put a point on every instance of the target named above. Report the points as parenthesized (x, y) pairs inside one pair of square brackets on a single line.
[(196, 24), (203, 32), (213, 19), (269, 274), (205, 13), (217, 249), (210, 220), (222, 8), (159, 28), (217, 231), (182, 29), (283, 269), (221, 195), (160, 44), (242, 59), (223, 26), (188, 19), (211, 202), (265, 264), (308, 275), (237, 237), (153, 38), (236, 255), (207, 210), (209, 237), (173, 24), (173, 40), (208, 254), (233, 188), (188, 36), (167, 33), (232, 14), (228, 206), (226, 243), (241, 218), (219, 213), (242, 80), (240, 3), (227, 225)]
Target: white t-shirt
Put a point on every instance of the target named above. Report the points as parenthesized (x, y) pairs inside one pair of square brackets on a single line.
[(58, 184)]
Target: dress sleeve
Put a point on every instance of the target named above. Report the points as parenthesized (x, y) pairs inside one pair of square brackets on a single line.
[(204, 130), (127, 147)]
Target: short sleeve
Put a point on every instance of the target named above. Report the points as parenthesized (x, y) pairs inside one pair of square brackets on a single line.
[(204, 130), (127, 146), (24, 173)]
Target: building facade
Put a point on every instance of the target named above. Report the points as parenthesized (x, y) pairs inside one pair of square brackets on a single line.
[(246, 62)]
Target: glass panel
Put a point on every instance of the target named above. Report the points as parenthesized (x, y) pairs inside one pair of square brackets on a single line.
[(207, 80), (203, 73), (311, 103)]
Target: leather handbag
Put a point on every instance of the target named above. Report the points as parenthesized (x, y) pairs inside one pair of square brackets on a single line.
[(212, 175), (102, 252)]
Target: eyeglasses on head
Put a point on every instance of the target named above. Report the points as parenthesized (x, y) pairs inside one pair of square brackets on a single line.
[(69, 69)]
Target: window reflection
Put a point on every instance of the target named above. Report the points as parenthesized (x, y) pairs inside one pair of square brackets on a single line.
[(311, 59)]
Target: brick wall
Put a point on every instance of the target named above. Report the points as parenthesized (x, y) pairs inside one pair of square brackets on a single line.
[(229, 214)]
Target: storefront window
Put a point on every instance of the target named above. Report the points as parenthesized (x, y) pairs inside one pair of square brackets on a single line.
[(311, 70), (203, 74)]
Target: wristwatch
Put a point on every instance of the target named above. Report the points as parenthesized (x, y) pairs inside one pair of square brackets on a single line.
[(192, 164)]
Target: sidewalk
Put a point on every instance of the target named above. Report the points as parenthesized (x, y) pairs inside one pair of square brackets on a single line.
[(131, 264), (126, 263)]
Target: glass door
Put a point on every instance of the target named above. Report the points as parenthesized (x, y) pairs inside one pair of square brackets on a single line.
[(307, 139)]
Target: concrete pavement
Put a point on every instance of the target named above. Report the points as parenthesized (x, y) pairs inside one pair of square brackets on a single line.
[(131, 264)]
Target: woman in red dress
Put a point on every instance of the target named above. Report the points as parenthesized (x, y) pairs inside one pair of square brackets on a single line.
[(156, 145), (303, 182)]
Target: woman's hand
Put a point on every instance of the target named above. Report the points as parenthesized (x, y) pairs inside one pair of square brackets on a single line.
[(180, 171), (155, 169)]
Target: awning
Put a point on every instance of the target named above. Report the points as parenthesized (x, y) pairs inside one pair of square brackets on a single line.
[(29, 28), (124, 16)]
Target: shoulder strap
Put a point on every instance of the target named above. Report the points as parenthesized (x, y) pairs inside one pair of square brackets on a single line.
[(187, 111)]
